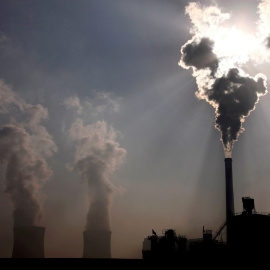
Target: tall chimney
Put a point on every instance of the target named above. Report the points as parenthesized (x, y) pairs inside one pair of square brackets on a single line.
[(229, 195), (97, 244), (28, 242)]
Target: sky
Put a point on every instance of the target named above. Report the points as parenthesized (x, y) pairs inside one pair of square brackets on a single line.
[(108, 118)]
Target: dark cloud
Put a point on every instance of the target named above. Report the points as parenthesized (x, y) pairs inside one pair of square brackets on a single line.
[(231, 91), (235, 97), (200, 55)]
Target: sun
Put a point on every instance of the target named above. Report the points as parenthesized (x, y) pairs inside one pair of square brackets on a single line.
[(233, 45)]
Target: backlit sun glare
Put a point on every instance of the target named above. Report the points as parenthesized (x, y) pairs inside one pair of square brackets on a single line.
[(233, 44)]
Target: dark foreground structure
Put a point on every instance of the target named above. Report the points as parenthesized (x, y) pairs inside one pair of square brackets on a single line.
[(249, 240), (247, 235), (250, 231)]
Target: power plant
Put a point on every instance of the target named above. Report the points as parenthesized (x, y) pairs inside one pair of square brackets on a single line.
[(247, 232)]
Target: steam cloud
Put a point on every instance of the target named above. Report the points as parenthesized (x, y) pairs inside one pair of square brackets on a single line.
[(217, 55), (23, 148), (97, 156)]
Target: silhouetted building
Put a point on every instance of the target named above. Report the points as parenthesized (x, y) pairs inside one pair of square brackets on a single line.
[(28, 242), (166, 247), (97, 244), (248, 234), (250, 231), (205, 246)]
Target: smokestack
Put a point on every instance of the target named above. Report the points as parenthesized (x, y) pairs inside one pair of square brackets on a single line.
[(229, 188), (229, 194), (28, 242), (97, 244)]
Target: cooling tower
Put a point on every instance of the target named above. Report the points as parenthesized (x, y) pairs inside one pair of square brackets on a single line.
[(28, 242), (229, 195), (97, 244)]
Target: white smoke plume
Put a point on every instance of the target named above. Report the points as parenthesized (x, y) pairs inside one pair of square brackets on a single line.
[(97, 156), (217, 55), (24, 146), (264, 22)]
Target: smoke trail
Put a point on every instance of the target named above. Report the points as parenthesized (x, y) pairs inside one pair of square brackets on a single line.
[(23, 148), (217, 55), (97, 156)]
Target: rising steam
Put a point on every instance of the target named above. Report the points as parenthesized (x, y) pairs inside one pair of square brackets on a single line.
[(217, 55), (24, 146), (97, 156)]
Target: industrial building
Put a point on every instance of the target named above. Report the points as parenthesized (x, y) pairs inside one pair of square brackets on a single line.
[(247, 234), (167, 246)]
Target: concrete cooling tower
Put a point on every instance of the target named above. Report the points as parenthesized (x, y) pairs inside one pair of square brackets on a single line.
[(28, 242), (97, 244)]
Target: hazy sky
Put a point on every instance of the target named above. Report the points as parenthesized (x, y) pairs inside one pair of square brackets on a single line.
[(94, 107)]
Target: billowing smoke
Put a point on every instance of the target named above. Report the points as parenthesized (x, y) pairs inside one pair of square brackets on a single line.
[(217, 55), (97, 156), (24, 146), (200, 55)]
